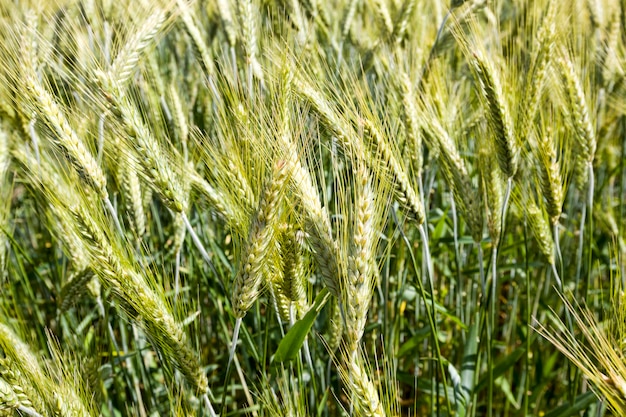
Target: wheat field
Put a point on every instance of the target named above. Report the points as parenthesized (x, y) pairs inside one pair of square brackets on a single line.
[(312, 208)]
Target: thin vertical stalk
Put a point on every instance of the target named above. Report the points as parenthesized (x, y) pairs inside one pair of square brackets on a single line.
[(432, 314)]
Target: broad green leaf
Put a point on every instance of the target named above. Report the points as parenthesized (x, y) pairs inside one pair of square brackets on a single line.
[(289, 347), (580, 403)]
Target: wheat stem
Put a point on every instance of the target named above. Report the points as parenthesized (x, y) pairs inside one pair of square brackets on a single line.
[(196, 240)]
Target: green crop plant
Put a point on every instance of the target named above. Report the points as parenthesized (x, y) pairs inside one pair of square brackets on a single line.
[(312, 208)]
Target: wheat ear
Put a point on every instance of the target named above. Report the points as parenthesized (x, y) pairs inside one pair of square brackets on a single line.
[(492, 189), (248, 25), (127, 59), (404, 191), (317, 223), (384, 17), (535, 80), (498, 114), (151, 157), (129, 183), (458, 177), (19, 352), (133, 291), (262, 233), (24, 391), (362, 388), (294, 271), (10, 402), (412, 126), (359, 280), (579, 116), (247, 283), (65, 138), (197, 40), (550, 176)]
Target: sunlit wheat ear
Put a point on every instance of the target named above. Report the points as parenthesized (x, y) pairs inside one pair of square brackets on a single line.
[(384, 153), (295, 271), (226, 16), (156, 164), (493, 193), (27, 364), (329, 114), (348, 18), (9, 400), (402, 22), (359, 281), (578, 107), (498, 114), (42, 178), (360, 387), (550, 175), (543, 49), (218, 202), (540, 228), (316, 220), (457, 175), (63, 136), (613, 68), (383, 16), (600, 357), (130, 185), (144, 304), (200, 47), (22, 389), (179, 115), (247, 15), (75, 286), (262, 234), (126, 62), (411, 123)]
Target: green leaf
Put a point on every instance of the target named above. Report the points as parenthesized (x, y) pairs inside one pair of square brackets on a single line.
[(505, 386), (289, 347), (501, 366), (580, 403)]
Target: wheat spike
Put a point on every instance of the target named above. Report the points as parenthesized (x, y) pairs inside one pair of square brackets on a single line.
[(360, 277), (550, 176), (262, 234), (132, 289), (127, 60), (498, 114), (405, 193), (363, 389), (579, 116), (164, 181)]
